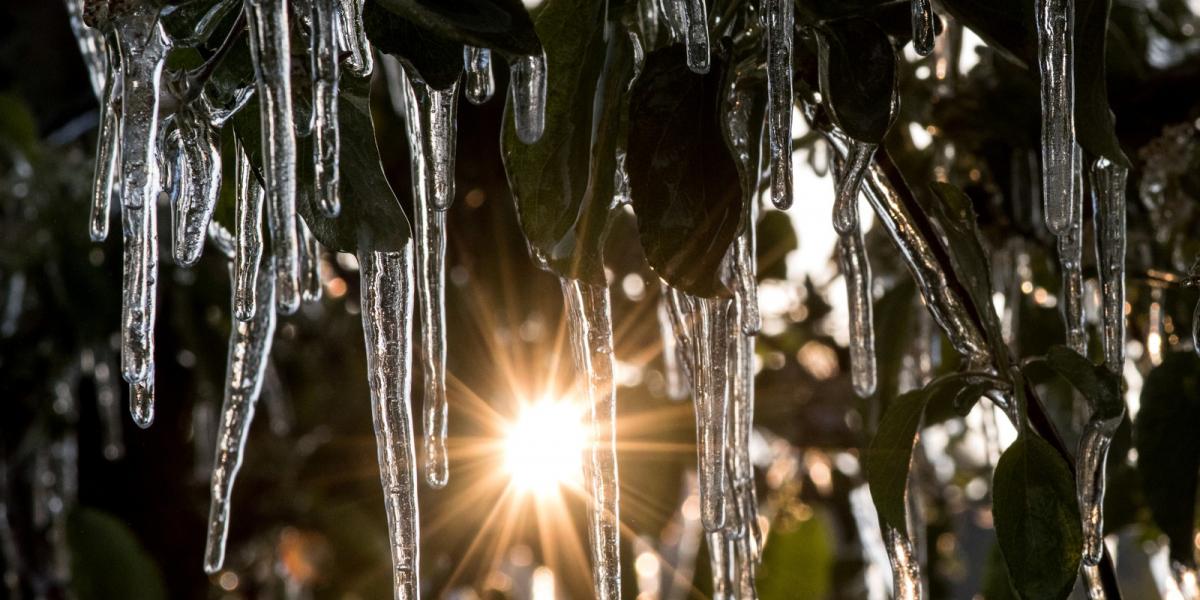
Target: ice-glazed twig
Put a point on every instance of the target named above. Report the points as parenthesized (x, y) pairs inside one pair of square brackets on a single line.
[(480, 82), (326, 139)]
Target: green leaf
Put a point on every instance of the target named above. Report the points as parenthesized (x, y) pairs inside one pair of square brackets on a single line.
[(371, 217), (1037, 519), (563, 184), (797, 561), (1169, 449), (683, 180), (996, 583), (857, 68), (1099, 386), (437, 60), (107, 561), (502, 25)]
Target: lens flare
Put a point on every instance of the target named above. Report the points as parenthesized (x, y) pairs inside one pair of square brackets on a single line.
[(544, 447)]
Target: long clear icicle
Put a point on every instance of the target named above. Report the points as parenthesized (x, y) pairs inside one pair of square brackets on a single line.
[(590, 324), (249, 350), (1108, 198), (248, 197), (198, 170), (1089, 481), (108, 147), (1070, 258), (923, 26), (326, 139), (360, 61), (1055, 28), (143, 47), (780, 25), (387, 298), (481, 84), (528, 83), (703, 324), (271, 52), (431, 139), (856, 269), (748, 543)]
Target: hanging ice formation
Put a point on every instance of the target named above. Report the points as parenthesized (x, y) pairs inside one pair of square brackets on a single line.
[(590, 323), (360, 61), (528, 83), (480, 84), (780, 25), (387, 298), (1108, 198), (923, 26), (431, 140), (1056, 59), (195, 182), (325, 55), (856, 270), (248, 198), (1090, 478), (906, 569), (1070, 258), (674, 360)]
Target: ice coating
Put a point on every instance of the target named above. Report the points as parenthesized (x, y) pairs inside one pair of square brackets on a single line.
[(746, 272), (271, 52), (673, 361), (741, 360), (590, 323), (249, 351), (198, 171), (695, 13), (906, 570), (143, 48), (528, 83), (780, 25), (1108, 198), (1089, 481), (92, 47), (325, 133), (721, 565), (360, 61), (1070, 258), (108, 148), (849, 181), (923, 26), (856, 269), (1055, 29), (431, 139), (310, 262), (703, 325), (248, 251), (480, 82), (387, 298)]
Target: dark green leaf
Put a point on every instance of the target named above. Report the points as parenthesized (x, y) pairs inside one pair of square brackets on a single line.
[(107, 561), (502, 25), (564, 184), (1037, 519), (683, 180), (894, 334), (858, 77), (1099, 386), (1169, 449), (996, 583), (433, 57)]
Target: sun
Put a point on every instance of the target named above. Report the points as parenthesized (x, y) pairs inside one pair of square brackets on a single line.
[(543, 448)]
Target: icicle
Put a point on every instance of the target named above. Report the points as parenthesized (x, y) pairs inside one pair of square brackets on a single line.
[(528, 83), (673, 361), (590, 324), (271, 53), (741, 360), (387, 296), (310, 262), (906, 570), (199, 174), (1089, 480), (107, 147), (695, 21), (143, 48), (780, 25), (1108, 198), (923, 26), (431, 117), (1093, 586), (326, 140), (721, 567), (703, 325), (249, 349), (1070, 258), (1055, 27), (360, 61), (480, 83), (141, 400), (249, 246), (108, 405), (856, 269), (92, 47)]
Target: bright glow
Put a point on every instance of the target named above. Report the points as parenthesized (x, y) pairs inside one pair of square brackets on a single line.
[(543, 584), (544, 448)]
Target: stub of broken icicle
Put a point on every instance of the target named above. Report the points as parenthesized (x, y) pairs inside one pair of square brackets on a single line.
[(923, 26), (480, 83), (528, 83), (780, 26), (360, 62), (1055, 28), (198, 172), (325, 57), (1108, 201)]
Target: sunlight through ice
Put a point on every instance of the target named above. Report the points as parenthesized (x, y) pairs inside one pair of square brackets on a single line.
[(544, 447)]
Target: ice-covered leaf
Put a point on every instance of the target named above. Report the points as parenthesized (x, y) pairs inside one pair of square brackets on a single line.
[(1037, 519), (107, 561), (437, 59), (563, 184), (502, 25), (858, 77), (683, 180), (1168, 448)]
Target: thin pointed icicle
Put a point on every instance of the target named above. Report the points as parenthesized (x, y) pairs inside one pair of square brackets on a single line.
[(480, 82), (856, 269), (361, 61), (695, 14), (249, 350), (906, 569), (590, 324), (673, 361), (387, 298), (143, 47), (108, 146), (248, 251), (780, 25), (923, 26), (326, 139), (1108, 198), (1055, 28), (271, 52), (310, 262), (199, 179), (703, 324), (528, 83), (1089, 481), (1070, 258), (431, 117)]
